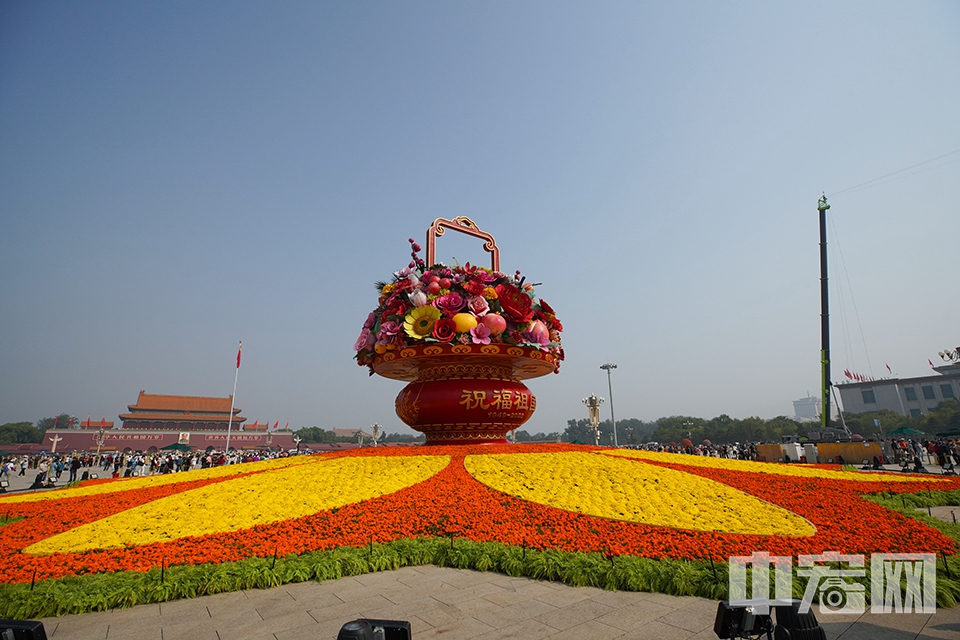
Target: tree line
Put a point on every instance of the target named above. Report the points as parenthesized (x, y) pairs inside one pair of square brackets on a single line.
[(720, 430)]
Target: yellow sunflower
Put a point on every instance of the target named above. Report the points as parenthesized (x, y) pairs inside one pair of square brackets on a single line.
[(419, 322)]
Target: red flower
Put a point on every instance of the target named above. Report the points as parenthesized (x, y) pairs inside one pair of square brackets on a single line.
[(444, 329), (474, 287), (516, 305)]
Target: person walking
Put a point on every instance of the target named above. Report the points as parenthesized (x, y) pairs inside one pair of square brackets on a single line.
[(75, 465)]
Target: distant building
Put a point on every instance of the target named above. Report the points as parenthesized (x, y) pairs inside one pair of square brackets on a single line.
[(807, 409), (351, 433), (181, 413), (158, 421), (907, 396)]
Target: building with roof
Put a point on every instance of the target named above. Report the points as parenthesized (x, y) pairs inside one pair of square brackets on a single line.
[(156, 421), (181, 413), (351, 433), (907, 396)]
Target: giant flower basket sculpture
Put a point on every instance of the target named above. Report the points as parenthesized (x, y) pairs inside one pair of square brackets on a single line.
[(465, 338)]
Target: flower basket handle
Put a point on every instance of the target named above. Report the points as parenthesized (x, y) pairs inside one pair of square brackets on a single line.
[(465, 225)]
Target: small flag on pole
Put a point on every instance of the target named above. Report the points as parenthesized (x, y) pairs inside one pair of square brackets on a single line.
[(238, 353), (888, 368), (286, 425), (103, 421), (276, 424), (931, 364)]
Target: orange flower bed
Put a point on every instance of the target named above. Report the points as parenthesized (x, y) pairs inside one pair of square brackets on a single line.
[(454, 503)]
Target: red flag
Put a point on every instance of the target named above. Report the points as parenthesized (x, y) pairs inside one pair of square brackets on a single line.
[(256, 422), (846, 372), (55, 420), (103, 421), (888, 368), (286, 425), (88, 422), (276, 424), (238, 353), (931, 364)]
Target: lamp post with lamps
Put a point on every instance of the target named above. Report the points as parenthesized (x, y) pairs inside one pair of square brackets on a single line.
[(593, 406), (952, 357), (376, 434), (608, 368)]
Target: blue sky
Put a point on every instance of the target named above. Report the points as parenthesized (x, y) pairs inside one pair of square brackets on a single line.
[(179, 176)]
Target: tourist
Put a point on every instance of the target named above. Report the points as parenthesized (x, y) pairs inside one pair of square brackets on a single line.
[(75, 464)]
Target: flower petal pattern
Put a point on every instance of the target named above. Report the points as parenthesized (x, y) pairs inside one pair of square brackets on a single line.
[(798, 471), (607, 487), (251, 500)]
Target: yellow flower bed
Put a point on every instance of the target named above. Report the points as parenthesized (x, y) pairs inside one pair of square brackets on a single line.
[(607, 487), (127, 484), (764, 467), (291, 492)]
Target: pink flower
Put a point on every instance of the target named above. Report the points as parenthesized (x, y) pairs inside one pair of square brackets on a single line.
[(365, 341), (480, 334), (478, 306), (450, 303)]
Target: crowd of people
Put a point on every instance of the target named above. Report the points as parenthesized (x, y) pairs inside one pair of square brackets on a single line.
[(735, 451), (49, 469), (942, 451)]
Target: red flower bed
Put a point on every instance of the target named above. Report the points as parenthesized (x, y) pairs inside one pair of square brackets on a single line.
[(453, 503)]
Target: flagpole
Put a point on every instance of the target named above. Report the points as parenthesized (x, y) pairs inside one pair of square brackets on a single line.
[(233, 397)]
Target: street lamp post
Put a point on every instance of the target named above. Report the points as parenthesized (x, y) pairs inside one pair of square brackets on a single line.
[(952, 357), (593, 406), (608, 368)]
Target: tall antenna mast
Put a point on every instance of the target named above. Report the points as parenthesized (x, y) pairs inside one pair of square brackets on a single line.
[(825, 384)]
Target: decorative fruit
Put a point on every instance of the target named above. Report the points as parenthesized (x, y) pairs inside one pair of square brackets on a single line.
[(496, 323), (465, 322), (540, 330)]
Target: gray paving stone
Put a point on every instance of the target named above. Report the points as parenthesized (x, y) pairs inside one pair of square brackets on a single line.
[(636, 616), (575, 614), (588, 629), (454, 604), (462, 629)]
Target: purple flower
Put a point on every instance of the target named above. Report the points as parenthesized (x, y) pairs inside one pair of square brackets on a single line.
[(536, 338), (388, 329), (484, 276), (480, 334)]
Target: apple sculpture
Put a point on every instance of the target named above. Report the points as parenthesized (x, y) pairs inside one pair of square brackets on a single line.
[(464, 338)]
